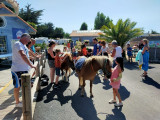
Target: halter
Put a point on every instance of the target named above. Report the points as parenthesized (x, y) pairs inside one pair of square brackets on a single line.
[(105, 71)]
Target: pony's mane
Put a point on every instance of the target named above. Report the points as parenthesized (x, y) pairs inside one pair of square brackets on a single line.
[(69, 55), (100, 59)]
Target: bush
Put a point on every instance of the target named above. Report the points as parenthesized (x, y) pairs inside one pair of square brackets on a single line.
[(42, 46)]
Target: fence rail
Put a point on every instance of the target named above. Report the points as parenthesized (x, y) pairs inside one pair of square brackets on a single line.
[(30, 93)]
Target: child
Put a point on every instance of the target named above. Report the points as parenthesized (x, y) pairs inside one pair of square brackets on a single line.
[(115, 81), (65, 49), (129, 52), (58, 62)]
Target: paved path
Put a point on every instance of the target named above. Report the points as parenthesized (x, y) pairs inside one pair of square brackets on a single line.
[(140, 96)]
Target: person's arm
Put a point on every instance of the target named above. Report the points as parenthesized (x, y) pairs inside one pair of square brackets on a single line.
[(144, 49), (113, 53), (62, 60), (118, 78), (100, 52), (25, 58)]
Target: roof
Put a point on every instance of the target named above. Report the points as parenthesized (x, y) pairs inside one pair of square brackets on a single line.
[(82, 33), (12, 14)]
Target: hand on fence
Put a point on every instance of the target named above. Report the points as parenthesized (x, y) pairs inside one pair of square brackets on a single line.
[(33, 67)]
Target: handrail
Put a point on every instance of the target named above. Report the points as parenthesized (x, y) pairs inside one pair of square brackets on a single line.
[(28, 93)]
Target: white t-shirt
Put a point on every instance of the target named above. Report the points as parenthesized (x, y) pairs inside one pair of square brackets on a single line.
[(104, 49), (18, 64), (118, 52)]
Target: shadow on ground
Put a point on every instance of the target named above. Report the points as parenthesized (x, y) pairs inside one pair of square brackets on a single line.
[(84, 107), (124, 93), (117, 114), (150, 81), (15, 114), (60, 96), (131, 66)]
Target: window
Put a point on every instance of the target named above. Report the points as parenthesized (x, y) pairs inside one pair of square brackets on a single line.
[(3, 46), (2, 22)]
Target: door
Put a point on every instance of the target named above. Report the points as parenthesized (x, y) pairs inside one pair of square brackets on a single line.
[(3, 45)]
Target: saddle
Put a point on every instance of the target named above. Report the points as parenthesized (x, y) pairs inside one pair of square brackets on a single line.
[(80, 63)]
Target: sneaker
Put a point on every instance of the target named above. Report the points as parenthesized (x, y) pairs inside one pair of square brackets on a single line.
[(112, 101), (56, 86), (118, 104), (19, 105)]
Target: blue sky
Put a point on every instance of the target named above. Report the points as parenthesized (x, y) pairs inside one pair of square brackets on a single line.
[(70, 14)]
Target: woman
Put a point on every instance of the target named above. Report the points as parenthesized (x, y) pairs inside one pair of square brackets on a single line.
[(104, 50), (32, 55), (145, 53), (117, 52), (51, 60)]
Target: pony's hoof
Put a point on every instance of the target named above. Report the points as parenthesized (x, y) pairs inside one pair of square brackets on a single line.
[(91, 96)]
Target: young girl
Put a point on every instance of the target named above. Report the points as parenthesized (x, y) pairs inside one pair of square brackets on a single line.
[(115, 81)]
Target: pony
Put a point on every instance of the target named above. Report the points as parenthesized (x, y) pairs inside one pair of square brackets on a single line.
[(67, 65), (90, 68)]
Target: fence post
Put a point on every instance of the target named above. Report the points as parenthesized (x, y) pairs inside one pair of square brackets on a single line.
[(38, 74), (26, 97)]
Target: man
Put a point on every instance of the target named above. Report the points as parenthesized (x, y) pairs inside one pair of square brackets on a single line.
[(117, 52), (96, 48), (20, 64)]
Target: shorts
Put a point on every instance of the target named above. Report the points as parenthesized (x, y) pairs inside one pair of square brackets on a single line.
[(16, 76), (51, 63), (58, 71), (114, 64)]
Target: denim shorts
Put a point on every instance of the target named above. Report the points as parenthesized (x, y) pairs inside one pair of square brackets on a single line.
[(58, 71), (16, 76)]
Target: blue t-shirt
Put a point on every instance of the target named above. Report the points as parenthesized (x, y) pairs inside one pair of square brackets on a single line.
[(71, 44), (33, 48), (95, 49)]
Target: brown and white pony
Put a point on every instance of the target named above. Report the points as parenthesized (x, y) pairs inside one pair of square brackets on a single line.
[(67, 65), (90, 68)]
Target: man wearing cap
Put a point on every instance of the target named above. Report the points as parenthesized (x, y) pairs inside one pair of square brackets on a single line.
[(20, 64), (117, 52)]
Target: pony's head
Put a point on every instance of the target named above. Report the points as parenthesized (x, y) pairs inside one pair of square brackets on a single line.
[(70, 61), (104, 64), (107, 69)]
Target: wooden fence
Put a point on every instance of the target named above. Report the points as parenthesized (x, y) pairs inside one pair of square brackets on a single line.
[(30, 93)]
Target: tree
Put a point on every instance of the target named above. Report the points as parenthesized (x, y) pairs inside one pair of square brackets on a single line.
[(154, 32), (30, 15), (58, 33), (123, 31), (84, 26), (45, 30), (101, 20), (66, 35)]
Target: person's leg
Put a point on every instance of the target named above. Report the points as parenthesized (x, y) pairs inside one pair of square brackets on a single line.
[(52, 73), (114, 94), (118, 95), (16, 94)]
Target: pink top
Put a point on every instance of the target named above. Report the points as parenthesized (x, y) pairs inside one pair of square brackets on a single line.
[(115, 74)]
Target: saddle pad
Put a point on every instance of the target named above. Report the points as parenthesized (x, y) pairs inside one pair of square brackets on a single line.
[(79, 63)]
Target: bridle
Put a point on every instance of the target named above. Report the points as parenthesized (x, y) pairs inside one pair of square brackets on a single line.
[(105, 71)]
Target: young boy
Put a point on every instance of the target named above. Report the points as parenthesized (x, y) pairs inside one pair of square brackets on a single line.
[(58, 61)]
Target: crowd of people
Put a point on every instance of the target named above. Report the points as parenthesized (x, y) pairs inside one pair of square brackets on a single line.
[(24, 55)]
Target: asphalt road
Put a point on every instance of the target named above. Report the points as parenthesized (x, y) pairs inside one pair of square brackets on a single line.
[(141, 98)]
